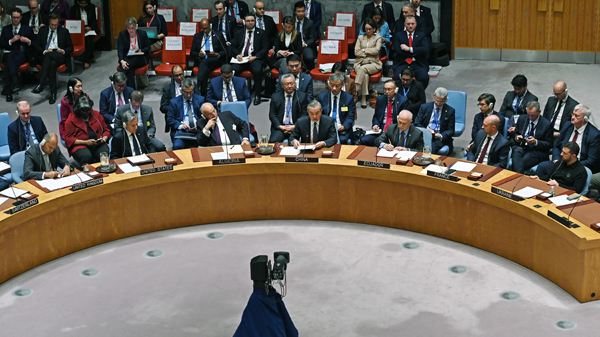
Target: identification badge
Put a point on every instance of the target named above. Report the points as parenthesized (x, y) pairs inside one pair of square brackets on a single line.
[(344, 108)]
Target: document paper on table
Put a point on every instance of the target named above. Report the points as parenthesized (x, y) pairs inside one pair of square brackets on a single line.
[(219, 155), (463, 167), (289, 151), (13, 192), (128, 168), (562, 200), (56, 184), (527, 192)]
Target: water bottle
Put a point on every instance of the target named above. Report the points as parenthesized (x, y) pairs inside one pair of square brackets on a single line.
[(552, 192)]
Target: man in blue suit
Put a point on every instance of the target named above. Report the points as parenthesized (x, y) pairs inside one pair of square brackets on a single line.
[(17, 39), (313, 12), (387, 108), (173, 90), (221, 88), (25, 131), (411, 49), (490, 147), (486, 106), (114, 96), (304, 82), (340, 106), (438, 118), (183, 115), (532, 138), (579, 131)]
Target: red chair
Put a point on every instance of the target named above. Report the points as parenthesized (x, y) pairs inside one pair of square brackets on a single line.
[(341, 38), (172, 58), (77, 32), (170, 14), (189, 39), (60, 69), (25, 67), (274, 73), (138, 72), (349, 24), (277, 17), (375, 78), (316, 74), (212, 74), (198, 14), (98, 23)]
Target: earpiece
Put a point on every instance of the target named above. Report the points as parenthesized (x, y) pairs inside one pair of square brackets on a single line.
[(17, 112), (491, 105), (586, 119), (43, 142), (71, 89), (396, 91), (124, 125), (203, 117)]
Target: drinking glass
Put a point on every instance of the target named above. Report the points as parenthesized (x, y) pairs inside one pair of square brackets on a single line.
[(104, 159), (427, 152)]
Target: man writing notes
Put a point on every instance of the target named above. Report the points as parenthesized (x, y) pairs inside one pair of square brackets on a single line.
[(402, 136), (42, 160), (315, 128)]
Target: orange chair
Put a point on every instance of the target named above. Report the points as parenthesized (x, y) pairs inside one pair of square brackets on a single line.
[(78, 38), (98, 23), (277, 17), (189, 39), (141, 71), (275, 73), (168, 12), (22, 68), (316, 74), (172, 58), (342, 40), (350, 27), (198, 14), (212, 74)]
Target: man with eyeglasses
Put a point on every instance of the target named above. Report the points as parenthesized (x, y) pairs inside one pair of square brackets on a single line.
[(387, 108), (303, 81), (209, 52), (287, 106), (114, 96), (221, 128), (559, 107), (17, 39), (173, 90), (183, 116), (145, 120), (265, 22), (486, 103), (438, 117), (411, 89), (35, 18), (228, 88)]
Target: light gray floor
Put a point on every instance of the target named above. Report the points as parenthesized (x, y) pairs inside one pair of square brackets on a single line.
[(343, 280), (473, 77)]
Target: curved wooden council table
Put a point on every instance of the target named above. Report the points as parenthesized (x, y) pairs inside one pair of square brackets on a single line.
[(335, 189)]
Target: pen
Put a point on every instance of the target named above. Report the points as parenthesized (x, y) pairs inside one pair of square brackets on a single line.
[(231, 148), (211, 150), (451, 165)]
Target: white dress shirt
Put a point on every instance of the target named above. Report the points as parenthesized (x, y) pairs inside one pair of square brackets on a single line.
[(131, 140), (487, 153)]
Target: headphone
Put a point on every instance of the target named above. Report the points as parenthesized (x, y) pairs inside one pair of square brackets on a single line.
[(71, 89), (491, 105), (586, 119), (43, 142)]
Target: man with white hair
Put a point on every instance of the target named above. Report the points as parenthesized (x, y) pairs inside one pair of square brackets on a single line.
[(402, 136), (438, 118)]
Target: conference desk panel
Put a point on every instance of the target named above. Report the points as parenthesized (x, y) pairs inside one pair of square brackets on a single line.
[(334, 189)]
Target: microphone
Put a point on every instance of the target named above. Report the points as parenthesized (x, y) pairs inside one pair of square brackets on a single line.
[(578, 196), (17, 202), (226, 145), (561, 161), (305, 142), (515, 187)]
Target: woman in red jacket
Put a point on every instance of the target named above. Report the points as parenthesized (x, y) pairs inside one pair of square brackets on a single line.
[(86, 132)]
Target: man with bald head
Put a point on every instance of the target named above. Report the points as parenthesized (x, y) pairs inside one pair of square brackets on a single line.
[(43, 160), (559, 107), (26, 130), (35, 18), (221, 128), (265, 22), (490, 147), (402, 136), (209, 52)]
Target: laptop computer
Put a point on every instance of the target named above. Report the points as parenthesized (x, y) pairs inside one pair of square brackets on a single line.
[(150, 31)]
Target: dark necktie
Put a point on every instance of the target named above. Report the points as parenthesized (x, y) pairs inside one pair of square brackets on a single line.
[(32, 21), (190, 115), (560, 103), (221, 29), (517, 106), (531, 126), (484, 150), (575, 137), (29, 135), (335, 109), (247, 49), (401, 140), (298, 26), (136, 148), (49, 39), (229, 95), (315, 133), (15, 32), (217, 134), (288, 111)]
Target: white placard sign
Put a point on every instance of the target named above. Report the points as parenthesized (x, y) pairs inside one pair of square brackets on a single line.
[(336, 33), (173, 43), (167, 13), (330, 47), (344, 20), (187, 28), (274, 15), (74, 26), (199, 14)]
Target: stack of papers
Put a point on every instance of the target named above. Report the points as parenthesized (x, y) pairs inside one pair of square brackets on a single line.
[(137, 160), (326, 67), (56, 184), (235, 60), (307, 147), (233, 149), (289, 151), (434, 168), (128, 168), (13, 192), (463, 166), (219, 155), (527, 192), (383, 153), (561, 200)]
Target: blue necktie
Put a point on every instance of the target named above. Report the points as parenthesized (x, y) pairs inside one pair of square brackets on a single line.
[(517, 105), (335, 109), (288, 110), (207, 46), (298, 26), (435, 124), (49, 39)]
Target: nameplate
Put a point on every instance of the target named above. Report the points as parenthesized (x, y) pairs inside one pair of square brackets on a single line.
[(442, 176), (22, 206), (157, 169), (506, 194), (560, 219), (229, 161), (373, 164), (301, 160), (87, 184)]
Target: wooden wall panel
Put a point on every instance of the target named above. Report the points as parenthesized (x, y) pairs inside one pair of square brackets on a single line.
[(477, 25), (575, 27), (119, 12), (526, 25)]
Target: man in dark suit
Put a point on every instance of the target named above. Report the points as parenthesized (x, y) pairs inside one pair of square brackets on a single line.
[(411, 89), (253, 44), (183, 115), (313, 12), (223, 23), (315, 128), (402, 135), (411, 49), (559, 108), (130, 140), (287, 106), (209, 51), (387, 108), (25, 131), (85, 11), (409, 10), (228, 88), (490, 147), (304, 82), (223, 128), (486, 107), (171, 91), (388, 11), (16, 38), (340, 106), (42, 161), (515, 101), (309, 35), (129, 52), (438, 117), (53, 48), (237, 9), (266, 23), (145, 119), (35, 18), (582, 132), (532, 139), (425, 14), (114, 96)]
